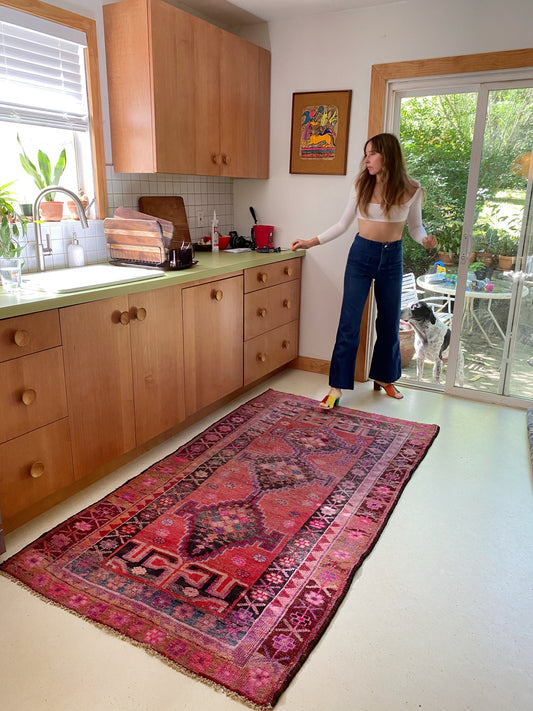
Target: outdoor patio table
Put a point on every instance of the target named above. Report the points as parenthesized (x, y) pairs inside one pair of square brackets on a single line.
[(447, 287)]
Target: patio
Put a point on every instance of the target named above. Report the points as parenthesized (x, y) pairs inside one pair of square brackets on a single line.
[(483, 362)]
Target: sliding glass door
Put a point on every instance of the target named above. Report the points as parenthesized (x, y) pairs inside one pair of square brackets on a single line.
[(470, 146)]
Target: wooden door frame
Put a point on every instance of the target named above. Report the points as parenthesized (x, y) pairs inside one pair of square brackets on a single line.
[(383, 73)]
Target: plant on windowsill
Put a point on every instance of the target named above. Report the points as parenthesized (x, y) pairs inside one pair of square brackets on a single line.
[(12, 217), (49, 209)]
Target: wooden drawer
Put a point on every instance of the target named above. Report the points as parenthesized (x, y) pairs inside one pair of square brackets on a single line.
[(22, 335), (34, 466), (32, 392), (265, 353), (269, 308), (272, 274), (2, 539)]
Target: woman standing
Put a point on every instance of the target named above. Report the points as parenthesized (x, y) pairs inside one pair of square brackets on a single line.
[(383, 198)]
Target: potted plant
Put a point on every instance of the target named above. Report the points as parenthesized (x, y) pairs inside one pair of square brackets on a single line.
[(9, 227), (449, 238), (507, 249), (50, 210), (479, 269)]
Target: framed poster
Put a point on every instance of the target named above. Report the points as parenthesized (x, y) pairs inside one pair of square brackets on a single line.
[(319, 133)]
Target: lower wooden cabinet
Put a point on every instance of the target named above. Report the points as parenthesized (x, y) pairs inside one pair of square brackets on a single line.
[(34, 466), (124, 375), (213, 336), (270, 351)]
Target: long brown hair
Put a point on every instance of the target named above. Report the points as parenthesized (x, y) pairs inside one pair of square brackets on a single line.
[(395, 180)]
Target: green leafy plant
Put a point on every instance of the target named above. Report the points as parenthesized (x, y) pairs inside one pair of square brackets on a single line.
[(44, 177), (449, 237), (9, 229), (507, 246)]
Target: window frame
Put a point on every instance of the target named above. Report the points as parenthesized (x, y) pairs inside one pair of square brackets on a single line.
[(411, 69), (88, 26)]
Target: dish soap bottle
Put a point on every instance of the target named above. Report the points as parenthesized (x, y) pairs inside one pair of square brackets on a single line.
[(214, 233), (75, 253)]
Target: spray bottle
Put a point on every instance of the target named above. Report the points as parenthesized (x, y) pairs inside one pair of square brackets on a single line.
[(214, 233)]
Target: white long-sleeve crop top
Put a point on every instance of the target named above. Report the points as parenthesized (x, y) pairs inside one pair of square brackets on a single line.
[(410, 212)]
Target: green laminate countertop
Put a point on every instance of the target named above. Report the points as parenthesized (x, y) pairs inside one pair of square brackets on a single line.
[(210, 266)]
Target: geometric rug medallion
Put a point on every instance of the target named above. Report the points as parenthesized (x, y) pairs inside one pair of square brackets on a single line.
[(230, 556)]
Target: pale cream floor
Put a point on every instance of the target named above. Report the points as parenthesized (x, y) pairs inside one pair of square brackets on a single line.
[(439, 617)]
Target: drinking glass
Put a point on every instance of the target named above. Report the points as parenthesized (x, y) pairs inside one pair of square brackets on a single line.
[(10, 273)]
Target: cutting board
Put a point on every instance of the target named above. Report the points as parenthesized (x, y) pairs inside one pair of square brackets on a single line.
[(171, 208)]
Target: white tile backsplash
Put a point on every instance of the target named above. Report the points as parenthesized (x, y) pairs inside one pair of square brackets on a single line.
[(199, 192)]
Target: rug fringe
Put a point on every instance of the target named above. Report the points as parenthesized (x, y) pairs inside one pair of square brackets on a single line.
[(152, 652)]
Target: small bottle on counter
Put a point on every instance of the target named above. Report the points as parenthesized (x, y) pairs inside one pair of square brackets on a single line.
[(214, 233), (75, 253)]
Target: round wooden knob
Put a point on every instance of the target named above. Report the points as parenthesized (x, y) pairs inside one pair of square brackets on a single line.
[(217, 294), (289, 271), (262, 357), (21, 337), (286, 344), (125, 318), (286, 303), (226, 159), (262, 277), (216, 158), (261, 312), (37, 469), (28, 396), (139, 314)]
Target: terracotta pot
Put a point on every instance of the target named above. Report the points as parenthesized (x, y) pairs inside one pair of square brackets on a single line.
[(407, 345), (446, 258), (505, 262), (51, 211)]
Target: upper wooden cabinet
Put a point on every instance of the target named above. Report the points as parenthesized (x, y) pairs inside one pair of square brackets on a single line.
[(184, 95)]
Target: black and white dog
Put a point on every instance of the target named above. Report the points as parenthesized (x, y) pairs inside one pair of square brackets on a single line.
[(432, 340)]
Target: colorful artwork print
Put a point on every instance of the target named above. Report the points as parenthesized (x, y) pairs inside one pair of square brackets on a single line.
[(319, 132)]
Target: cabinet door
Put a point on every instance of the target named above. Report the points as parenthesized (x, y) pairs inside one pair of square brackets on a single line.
[(97, 355), (213, 341), (244, 108), (157, 358)]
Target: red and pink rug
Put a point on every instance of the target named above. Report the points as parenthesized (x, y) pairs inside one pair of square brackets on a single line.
[(230, 557)]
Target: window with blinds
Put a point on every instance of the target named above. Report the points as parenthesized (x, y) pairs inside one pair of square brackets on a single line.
[(43, 99)]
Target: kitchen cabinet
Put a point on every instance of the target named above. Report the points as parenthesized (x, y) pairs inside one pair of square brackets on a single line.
[(124, 373), (184, 95), (213, 338), (271, 317), (35, 446)]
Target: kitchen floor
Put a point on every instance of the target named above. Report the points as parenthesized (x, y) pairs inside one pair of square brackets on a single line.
[(439, 617)]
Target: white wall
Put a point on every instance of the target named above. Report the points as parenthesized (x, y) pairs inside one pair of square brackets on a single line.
[(336, 51)]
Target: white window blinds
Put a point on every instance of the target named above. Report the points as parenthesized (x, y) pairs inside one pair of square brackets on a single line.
[(42, 75)]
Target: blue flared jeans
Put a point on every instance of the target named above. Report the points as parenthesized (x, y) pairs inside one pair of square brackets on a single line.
[(381, 262)]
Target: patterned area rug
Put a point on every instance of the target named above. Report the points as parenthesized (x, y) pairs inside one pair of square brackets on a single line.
[(230, 557)]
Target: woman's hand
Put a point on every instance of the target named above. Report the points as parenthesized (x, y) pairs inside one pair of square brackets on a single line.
[(304, 243), (429, 241)]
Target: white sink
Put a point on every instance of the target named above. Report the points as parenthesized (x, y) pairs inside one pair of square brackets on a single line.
[(61, 281)]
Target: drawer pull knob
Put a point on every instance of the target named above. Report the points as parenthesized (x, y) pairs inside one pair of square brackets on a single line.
[(216, 158), (263, 277), (286, 344), (125, 318), (29, 396), (139, 314), (289, 271), (21, 338), (226, 159), (261, 357), (261, 312), (217, 294), (37, 469), (286, 303)]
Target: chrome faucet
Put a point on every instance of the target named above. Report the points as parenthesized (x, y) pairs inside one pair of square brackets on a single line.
[(37, 223)]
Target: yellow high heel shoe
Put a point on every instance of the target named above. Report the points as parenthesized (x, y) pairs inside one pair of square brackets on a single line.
[(390, 389), (329, 402)]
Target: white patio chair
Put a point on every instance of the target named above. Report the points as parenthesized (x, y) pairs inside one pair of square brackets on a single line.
[(442, 305)]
